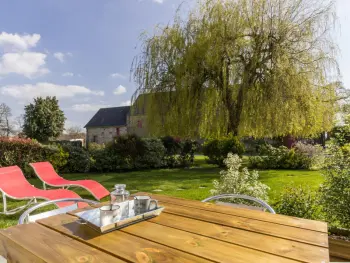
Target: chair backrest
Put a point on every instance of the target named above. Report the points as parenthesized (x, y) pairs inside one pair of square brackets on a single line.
[(238, 196), (12, 179), (27, 218), (45, 171)]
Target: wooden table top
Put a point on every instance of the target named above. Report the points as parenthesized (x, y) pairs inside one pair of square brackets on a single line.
[(186, 231)]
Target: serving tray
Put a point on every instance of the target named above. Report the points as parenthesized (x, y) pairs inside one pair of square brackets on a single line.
[(127, 217)]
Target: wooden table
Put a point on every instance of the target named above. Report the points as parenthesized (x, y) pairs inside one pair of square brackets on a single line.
[(186, 231)]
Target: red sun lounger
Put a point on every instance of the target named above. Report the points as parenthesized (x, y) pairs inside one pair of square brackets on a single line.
[(48, 175), (14, 185)]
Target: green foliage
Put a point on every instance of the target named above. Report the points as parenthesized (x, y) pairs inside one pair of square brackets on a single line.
[(153, 154), (131, 152), (102, 160), (78, 160), (93, 146), (258, 69), (335, 191), (19, 152), (217, 149), (57, 156), (22, 152), (346, 149), (172, 149), (72, 143), (341, 134), (128, 148), (301, 156), (299, 202), (188, 148), (43, 120), (234, 181)]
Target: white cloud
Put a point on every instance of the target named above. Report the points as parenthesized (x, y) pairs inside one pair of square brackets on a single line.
[(62, 56), (119, 90), (43, 89), (88, 107), (118, 76), (126, 103), (15, 42), (68, 74), (28, 64), (59, 56), (158, 1)]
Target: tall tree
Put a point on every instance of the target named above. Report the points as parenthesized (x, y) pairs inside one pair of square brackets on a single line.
[(43, 119), (247, 67), (5, 124)]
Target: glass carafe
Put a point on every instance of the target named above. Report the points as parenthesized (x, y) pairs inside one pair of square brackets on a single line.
[(119, 194)]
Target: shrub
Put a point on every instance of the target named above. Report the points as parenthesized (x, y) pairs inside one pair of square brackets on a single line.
[(56, 155), (188, 148), (302, 156), (312, 156), (299, 202), (104, 161), (129, 152), (128, 148), (69, 143), (217, 149), (335, 191), (78, 160), (153, 154), (172, 149), (22, 152), (234, 181), (93, 146)]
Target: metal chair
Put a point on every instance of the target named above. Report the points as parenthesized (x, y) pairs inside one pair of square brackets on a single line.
[(27, 218), (246, 197)]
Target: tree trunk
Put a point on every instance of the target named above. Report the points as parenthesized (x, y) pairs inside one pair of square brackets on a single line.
[(234, 109), (7, 128)]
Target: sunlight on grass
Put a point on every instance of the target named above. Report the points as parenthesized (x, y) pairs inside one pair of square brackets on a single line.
[(195, 183)]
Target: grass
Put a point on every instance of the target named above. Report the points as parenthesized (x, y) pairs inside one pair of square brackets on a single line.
[(193, 183)]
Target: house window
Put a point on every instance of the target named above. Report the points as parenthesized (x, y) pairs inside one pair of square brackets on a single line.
[(139, 124), (118, 131), (94, 139)]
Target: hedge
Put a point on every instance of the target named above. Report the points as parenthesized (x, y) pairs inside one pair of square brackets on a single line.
[(217, 149), (22, 152), (124, 153), (131, 152)]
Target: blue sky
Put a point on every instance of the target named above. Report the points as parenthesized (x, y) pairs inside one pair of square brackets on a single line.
[(81, 50)]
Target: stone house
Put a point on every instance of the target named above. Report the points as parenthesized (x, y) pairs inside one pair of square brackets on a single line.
[(106, 124), (109, 123)]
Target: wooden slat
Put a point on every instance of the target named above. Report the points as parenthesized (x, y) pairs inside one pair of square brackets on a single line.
[(35, 243), (200, 246), (126, 246), (277, 246), (281, 231), (339, 249), (242, 212)]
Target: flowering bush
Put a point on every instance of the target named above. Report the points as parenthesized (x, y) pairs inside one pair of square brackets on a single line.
[(234, 181)]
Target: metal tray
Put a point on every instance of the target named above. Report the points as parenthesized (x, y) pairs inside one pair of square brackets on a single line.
[(128, 217)]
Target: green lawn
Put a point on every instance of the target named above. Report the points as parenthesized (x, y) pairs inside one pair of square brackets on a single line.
[(193, 183)]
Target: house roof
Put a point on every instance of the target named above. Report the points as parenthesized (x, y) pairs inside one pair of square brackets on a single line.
[(116, 116)]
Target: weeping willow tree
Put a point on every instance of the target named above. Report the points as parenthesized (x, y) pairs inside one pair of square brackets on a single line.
[(246, 67)]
